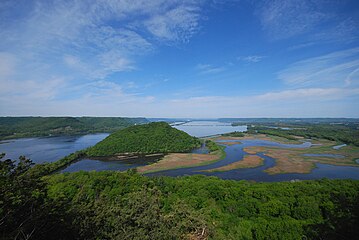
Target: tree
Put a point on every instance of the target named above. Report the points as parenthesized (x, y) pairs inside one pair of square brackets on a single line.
[(25, 211)]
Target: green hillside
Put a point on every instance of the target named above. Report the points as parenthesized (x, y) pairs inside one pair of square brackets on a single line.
[(17, 127), (156, 137), (115, 205)]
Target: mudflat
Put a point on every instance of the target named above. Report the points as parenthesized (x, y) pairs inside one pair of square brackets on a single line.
[(249, 161), (180, 160)]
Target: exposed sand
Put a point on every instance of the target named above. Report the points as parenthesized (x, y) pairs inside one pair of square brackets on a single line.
[(291, 160), (288, 160), (249, 161), (180, 160), (230, 143)]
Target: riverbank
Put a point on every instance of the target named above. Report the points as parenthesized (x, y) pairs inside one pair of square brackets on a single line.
[(299, 160), (248, 161), (288, 157), (182, 160), (127, 156), (264, 137)]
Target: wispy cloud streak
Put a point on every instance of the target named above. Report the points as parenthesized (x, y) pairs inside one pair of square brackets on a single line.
[(286, 19), (209, 69), (334, 69)]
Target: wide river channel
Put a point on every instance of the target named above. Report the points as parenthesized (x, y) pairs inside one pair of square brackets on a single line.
[(50, 149)]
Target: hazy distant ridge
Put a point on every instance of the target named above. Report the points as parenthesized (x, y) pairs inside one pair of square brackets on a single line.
[(17, 127)]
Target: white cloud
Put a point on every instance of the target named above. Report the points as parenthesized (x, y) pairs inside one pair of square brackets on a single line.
[(352, 77), (99, 29), (81, 43), (251, 58), (7, 64), (283, 19), (209, 69), (304, 102), (177, 24), (108, 99), (322, 94), (334, 69), (112, 61), (30, 90), (343, 31), (60, 55), (318, 20)]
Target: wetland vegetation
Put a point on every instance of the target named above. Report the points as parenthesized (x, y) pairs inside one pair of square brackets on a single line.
[(340, 130), (40, 202)]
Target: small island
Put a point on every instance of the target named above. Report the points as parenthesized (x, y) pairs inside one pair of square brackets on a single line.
[(144, 140), (159, 141)]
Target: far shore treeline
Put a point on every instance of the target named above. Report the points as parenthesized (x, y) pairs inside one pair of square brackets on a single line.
[(142, 139), (19, 127), (37, 202)]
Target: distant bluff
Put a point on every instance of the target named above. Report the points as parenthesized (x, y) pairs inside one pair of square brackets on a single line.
[(155, 137)]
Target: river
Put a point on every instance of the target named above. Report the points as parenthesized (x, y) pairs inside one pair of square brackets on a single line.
[(49, 149)]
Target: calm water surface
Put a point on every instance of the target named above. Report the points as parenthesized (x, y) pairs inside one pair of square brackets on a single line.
[(101, 165), (235, 153), (339, 146), (208, 128), (48, 149), (323, 155)]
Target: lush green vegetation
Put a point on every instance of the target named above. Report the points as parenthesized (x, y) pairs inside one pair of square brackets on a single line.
[(157, 143), (156, 137), (212, 146), (273, 132), (289, 121), (114, 205), (344, 130), (348, 133), (17, 127), (48, 168), (234, 134)]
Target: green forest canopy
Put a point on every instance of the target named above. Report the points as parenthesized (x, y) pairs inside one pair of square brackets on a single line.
[(155, 137), (115, 205), (16, 127), (348, 134)]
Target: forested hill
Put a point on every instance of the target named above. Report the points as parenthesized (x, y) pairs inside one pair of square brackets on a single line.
[(155, 137), (116, 205), (17, 127)]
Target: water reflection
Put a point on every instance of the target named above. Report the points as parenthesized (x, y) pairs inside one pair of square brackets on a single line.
[(235, 153), (208, 128), (48, 149)]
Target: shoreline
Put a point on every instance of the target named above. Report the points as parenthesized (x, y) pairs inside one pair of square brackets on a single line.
[(126, 156), (182, 160)]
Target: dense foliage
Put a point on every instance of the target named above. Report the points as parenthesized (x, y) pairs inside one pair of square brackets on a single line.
[(234, 134), (16, 127), (348, 133), (114, 205), (344, 130), (156, 137), (51, 167), (288, 121), (25, 210), (212, 146)]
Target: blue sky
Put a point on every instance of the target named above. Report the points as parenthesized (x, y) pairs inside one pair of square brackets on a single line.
[(203, 58)]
